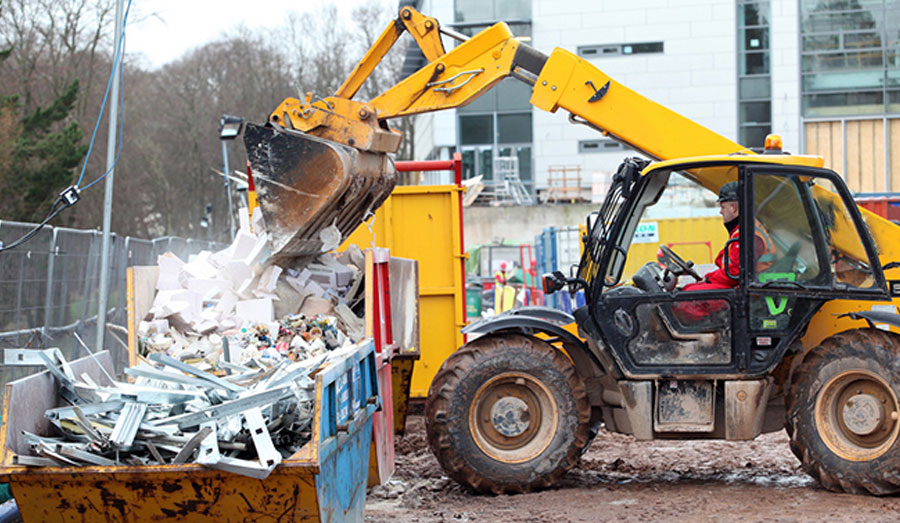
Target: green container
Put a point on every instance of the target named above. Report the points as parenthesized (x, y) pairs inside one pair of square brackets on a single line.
[(473, 301)]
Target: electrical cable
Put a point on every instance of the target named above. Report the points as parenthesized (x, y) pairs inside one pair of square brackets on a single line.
[(30, 234), (121, 127), (70, 195), (116, 60)]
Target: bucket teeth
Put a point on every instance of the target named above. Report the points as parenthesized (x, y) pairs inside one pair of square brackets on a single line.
[(306, 184)]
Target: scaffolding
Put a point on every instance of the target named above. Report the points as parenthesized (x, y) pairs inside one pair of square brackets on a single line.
[(564, 183), (508, 187)]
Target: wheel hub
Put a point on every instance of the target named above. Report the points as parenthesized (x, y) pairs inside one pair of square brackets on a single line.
[(513, 417), (510, 416), (857, 415), (863, 414)]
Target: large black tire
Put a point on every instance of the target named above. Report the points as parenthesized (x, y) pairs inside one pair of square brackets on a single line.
[(843, 412), (507, 414)]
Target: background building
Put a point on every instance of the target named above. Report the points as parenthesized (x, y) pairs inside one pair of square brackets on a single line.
[(824, 74)]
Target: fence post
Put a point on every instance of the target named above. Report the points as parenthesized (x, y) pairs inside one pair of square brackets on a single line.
[(48, 295)]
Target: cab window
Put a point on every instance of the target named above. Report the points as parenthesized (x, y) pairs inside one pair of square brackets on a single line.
[(784, 243), (846, 254)]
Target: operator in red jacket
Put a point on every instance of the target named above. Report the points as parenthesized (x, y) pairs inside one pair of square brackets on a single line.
[(719, 278)]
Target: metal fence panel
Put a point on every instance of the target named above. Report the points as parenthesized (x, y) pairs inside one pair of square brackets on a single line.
[(49, 288)]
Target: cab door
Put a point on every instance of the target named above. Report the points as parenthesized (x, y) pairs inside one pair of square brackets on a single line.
[(658, 333), (817, 250)]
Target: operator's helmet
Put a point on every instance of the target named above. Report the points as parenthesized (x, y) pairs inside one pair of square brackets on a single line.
[(728, 192), (502, 266)]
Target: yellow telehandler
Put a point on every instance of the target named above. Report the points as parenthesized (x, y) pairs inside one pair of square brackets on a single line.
[(804, 340)]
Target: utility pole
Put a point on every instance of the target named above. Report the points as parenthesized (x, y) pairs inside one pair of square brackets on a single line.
[(108, 185)]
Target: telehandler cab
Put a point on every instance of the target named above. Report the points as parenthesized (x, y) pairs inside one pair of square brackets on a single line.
[(805, 341)]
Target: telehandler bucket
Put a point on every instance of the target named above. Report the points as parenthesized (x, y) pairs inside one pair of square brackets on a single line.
[(305, 184)]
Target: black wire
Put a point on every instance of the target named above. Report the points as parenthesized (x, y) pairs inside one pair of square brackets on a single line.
[(30, 234)]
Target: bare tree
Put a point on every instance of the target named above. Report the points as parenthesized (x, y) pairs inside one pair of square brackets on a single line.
[(53, 43)]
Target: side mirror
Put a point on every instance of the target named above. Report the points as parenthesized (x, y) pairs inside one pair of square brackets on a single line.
[(553, 282)]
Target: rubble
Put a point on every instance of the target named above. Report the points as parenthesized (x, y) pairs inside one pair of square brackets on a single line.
[(239, 305), (243, 418)]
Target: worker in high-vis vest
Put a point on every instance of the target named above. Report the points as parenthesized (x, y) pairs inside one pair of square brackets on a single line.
[(763, 253), (504, 293)]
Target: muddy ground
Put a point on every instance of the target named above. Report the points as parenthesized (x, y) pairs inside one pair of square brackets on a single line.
[(620, 479)]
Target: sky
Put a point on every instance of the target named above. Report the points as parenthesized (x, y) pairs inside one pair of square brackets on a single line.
[(163, 30)]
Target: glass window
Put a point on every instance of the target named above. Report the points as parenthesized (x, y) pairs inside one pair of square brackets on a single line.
[(485, 103), (755, 87), (473, 10), (843, 104), (892, 23), (755, 39), (862, 40), (754, 135), (756, 112), (512, 95), (843, 80), (514, 128), (481, 10), (826, 42), (754, 63), (512, 9), (843, 61), (784, 245), (859, 30), (753, 14), (846, 253), (893, 101), (476, 129)]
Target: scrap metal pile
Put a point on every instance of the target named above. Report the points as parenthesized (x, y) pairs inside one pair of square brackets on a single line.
[(242, 419)]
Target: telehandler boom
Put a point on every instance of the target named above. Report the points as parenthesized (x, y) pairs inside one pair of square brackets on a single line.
[(805, 340)]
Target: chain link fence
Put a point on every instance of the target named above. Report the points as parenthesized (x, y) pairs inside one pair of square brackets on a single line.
[(50, 286)]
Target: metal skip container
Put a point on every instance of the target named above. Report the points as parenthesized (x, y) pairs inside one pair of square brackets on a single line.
[(324, 481)]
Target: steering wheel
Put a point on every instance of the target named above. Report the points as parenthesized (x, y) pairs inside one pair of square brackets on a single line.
[(670, 258)]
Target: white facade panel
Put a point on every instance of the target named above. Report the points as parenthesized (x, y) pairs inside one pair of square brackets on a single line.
[(785, 63)]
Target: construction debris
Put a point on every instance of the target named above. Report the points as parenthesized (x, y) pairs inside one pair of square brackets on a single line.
[(225, 304), (243, 418)]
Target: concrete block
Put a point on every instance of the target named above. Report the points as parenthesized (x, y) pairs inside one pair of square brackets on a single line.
[(257, 311), (185, 303), (246, 288), (343, 274), (208, 288), (200, 268), (169, 263), (226, 304), (269, 278), (244, 219), (314, 289), (168, 282), (238, 272), (257, 222), (258, 255), (242, 245), (296, 284)]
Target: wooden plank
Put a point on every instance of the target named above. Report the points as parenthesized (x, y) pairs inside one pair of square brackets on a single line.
[(836, 145), (853, 166), (878, 156), (141, 290), (823, 141), (894, 139), (809, 137), (866, 155)]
